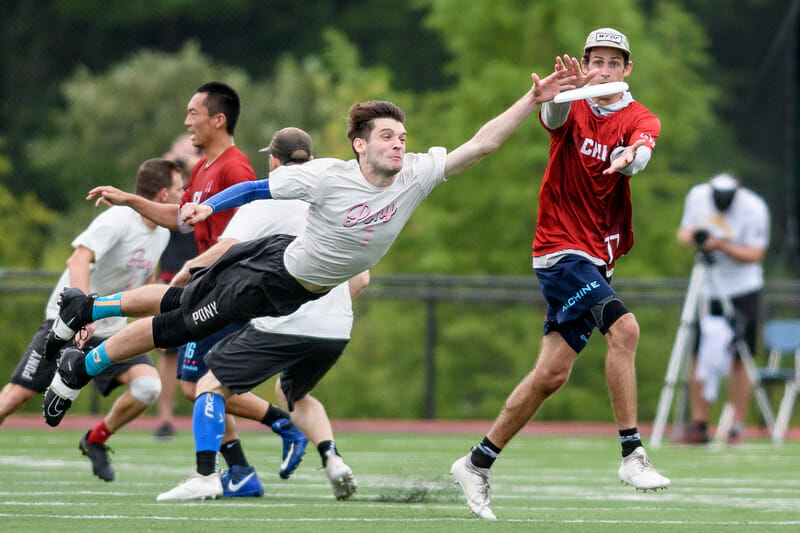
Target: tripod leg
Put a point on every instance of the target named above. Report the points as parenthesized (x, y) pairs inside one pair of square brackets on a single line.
[(683, 341)]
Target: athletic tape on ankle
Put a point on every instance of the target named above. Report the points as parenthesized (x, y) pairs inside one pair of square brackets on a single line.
[(61, 390)]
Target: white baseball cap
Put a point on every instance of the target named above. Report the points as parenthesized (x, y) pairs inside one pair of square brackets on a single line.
[(724, 182), (608, 37)]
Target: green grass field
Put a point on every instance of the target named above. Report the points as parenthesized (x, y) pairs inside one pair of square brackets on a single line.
[(539, 483)]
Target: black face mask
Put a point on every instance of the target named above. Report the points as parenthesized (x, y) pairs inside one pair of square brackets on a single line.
[(723, 199)]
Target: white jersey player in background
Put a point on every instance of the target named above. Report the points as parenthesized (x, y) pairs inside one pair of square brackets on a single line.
[(118, 251)]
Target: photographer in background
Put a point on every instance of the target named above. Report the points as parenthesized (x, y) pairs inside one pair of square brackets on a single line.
[(730, 224)]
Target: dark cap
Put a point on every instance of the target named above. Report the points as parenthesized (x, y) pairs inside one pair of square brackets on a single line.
[(290, 145)]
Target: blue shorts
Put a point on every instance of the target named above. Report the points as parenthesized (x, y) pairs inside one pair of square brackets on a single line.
[(191, 366), (571, 287)]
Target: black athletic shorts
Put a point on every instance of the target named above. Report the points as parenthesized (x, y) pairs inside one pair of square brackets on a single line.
[(249, 357), (34, 372), (746, 308), (248, 281)]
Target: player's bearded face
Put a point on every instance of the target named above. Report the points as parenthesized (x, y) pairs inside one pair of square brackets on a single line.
[(386, 147)]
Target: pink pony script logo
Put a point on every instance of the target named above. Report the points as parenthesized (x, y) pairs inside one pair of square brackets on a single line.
[(362, 214)]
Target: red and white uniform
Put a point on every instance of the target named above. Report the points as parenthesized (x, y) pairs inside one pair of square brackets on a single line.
[(581, 210), (230, 168)]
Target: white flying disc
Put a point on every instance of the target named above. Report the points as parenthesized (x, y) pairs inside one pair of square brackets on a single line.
[(591, 91)]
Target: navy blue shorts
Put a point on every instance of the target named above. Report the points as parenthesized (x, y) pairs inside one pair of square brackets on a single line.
[(571, 287), (191, 356)]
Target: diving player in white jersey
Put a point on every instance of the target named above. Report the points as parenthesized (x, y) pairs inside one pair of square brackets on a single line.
[(302, 346)]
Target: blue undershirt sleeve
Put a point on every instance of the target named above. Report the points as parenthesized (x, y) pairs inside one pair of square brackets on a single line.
[(239, 194)]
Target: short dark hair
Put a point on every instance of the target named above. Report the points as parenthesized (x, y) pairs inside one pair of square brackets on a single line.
[(155, 175), (625, 55), (221, 99), (361, 118)]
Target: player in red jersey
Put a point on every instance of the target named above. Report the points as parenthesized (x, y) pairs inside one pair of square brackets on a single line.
[(584, 225)]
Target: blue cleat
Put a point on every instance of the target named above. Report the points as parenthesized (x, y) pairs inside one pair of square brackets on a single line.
[(241, 481), (294, 446)]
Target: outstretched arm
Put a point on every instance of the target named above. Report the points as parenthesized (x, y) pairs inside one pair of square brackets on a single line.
[(230, 198), (162, 214), (496, 131)]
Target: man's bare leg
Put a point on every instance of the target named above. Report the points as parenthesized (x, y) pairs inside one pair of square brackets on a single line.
[(550, 373), (622, 338)]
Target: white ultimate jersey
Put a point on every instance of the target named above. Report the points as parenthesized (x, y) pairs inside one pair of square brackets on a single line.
[(351, 223), (746, 222), (329, 317), (126, 253)]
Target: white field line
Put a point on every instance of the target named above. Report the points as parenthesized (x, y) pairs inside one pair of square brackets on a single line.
[(412, 520)]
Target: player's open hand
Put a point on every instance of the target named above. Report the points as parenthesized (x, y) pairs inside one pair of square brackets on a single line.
[(572, 67), (192, 213), (545, 89), (625, 158), (108, 195)]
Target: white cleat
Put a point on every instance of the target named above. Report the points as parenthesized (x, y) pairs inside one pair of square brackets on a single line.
[(474, 482), (637, 470), (195, 487), (341, 477)]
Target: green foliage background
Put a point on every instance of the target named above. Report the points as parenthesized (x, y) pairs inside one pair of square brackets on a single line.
[(104, 119)]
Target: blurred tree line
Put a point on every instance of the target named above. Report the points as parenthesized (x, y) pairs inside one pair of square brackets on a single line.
[(91, 89)]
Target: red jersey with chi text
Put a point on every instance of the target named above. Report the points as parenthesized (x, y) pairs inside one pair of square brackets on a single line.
[(580, 208), (230, 168)]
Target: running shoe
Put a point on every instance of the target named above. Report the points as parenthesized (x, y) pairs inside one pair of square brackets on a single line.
[(98, 455), (341, 477), (294, 446), (241, 481), (637, 470), (474, 481), (74, 312), (195, 487)]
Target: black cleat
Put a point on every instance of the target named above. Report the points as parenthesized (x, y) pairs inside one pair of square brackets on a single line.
[(65, 387), (75, 311), (98, 455), (54, 408)]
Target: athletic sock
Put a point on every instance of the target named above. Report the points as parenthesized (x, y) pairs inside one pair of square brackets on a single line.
[(100, 434), (484, 454), (630, 440), (97, 360), (324, 448), (274, 414), (208, 426), (80, 370), (233, 453), (206, 462), (106, 306)]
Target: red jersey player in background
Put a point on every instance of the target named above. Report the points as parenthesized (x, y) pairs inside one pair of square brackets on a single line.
[(584, 225)]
